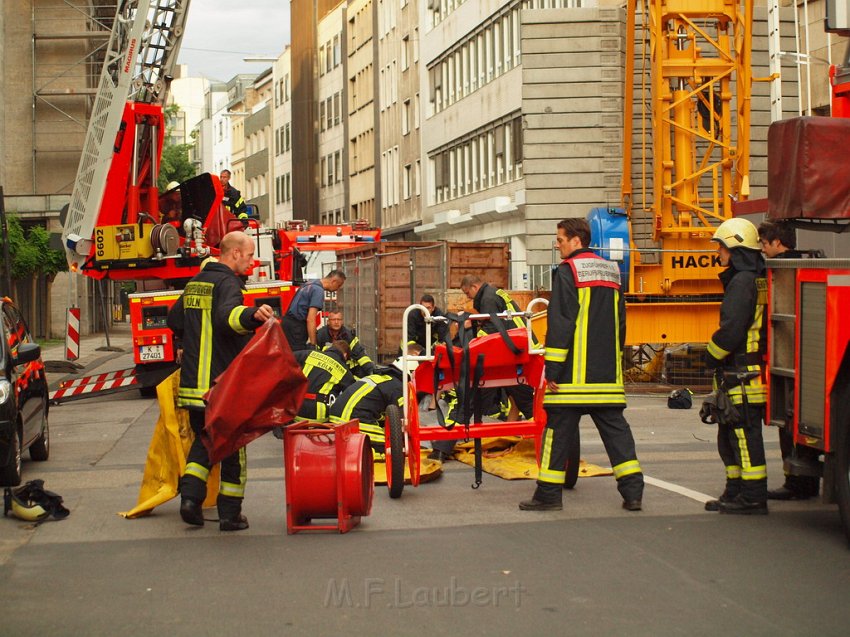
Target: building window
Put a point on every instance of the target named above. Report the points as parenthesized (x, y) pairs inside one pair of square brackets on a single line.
[(405, 117), (406, 183), (405, 45)]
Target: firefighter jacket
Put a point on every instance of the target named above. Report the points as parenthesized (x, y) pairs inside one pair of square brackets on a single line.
[(367, 400), (359, 362), (490, 300), (739, 344), (416, 328), (586, 332), (213, 325), (327, 376), (233, 201)]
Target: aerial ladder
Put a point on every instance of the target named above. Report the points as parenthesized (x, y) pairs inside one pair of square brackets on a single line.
[(114, 206), (685, 160)]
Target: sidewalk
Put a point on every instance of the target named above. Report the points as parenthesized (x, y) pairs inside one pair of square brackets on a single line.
[(93, 352)]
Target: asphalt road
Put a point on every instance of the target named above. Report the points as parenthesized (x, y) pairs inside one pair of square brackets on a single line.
[(443, 559)]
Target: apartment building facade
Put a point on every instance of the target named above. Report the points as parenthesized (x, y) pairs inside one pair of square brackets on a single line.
[(282, 125), (331, 117)]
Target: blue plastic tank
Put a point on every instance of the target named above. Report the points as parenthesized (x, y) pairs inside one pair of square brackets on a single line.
[(609, 237)]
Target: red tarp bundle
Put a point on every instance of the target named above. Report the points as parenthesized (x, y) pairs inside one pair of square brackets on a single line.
[(220, 223), (807, 174), (263, 388)]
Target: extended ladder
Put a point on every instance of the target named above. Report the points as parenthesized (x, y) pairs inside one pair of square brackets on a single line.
[(138, 66)]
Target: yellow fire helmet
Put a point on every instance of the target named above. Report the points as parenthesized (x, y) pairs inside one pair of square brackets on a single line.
[(33, 503), (737, 233), (172, 185)]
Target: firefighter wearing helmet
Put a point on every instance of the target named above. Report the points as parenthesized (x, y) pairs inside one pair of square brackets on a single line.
[(736, 353)]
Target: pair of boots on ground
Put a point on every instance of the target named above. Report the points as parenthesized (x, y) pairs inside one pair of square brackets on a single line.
[(549, 497), (230, 516), (740, 499)]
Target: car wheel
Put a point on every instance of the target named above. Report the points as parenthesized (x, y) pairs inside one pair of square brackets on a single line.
[(40, 449), (10, 474)]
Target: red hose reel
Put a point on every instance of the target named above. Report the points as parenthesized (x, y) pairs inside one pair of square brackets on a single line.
[(329, 474)]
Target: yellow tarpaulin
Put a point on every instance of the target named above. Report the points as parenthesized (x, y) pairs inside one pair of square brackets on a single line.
[(514, 458), (166, 461), (429, 469)]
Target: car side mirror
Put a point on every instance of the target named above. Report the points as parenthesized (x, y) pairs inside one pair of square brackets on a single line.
[(27, 352)]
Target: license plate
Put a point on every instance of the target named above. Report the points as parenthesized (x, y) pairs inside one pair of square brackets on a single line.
[(151, 353)]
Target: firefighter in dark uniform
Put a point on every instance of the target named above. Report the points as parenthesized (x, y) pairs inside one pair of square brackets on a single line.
[(213, 325), (779, 241), (368, 399), (416, 328), (358, 362), (736, 353), (584, 375), (232, 199), (327, 377), (487, 299)]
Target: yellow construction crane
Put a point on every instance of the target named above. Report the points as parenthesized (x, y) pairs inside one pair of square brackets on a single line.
[(685, 158)]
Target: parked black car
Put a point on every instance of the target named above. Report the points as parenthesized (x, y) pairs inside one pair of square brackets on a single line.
[(23, 396)]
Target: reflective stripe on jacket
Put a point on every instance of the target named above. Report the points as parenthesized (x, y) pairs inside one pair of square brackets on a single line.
[(213, 325), (586, 332)]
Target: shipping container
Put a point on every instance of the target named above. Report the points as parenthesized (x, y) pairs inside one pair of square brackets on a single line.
[(385, 278)]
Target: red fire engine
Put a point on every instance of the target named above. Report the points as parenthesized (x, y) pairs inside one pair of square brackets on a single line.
[(119, 226)]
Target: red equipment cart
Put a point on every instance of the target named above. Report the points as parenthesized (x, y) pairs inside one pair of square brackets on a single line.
[(446, 367)]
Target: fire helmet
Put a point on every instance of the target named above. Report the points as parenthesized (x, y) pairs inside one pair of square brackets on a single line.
[(411, 365), (737, 233), (33, 503)]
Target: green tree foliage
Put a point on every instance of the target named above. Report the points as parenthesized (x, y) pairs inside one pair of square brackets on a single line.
[(175, 164), (30, 252)]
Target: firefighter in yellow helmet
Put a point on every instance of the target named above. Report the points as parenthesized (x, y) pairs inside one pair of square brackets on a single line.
[(736, 353)]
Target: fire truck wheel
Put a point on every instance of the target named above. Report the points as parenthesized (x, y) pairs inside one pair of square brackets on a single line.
[(842, 490), (394, 451), (573, 461), (147, 392)]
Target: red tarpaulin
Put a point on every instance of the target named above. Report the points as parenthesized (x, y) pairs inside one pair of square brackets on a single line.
[(263, 388)]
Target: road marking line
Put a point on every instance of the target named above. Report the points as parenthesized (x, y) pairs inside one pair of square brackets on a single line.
[(675, 488)]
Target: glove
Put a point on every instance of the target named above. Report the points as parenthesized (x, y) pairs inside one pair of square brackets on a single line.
[(711, 362)]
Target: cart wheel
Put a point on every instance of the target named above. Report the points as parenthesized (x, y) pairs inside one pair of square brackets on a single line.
[(394, 452), (842, 474), (573, 461)]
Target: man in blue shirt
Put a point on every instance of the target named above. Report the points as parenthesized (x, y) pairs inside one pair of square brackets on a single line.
[(299, 323)]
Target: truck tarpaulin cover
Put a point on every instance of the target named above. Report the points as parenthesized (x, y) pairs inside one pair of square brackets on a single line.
[(263, 388), (807, 168)]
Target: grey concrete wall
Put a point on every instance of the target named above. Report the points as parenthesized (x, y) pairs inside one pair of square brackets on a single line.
[(572, 106)]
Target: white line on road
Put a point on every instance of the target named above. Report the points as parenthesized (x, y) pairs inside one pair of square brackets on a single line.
[(675, 488)]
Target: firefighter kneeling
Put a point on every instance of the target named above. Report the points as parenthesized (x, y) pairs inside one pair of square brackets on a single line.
[(368, 399)]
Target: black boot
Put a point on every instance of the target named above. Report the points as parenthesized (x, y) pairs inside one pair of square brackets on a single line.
[(192, 512), (546, 498), (742, 506), (238, 523)]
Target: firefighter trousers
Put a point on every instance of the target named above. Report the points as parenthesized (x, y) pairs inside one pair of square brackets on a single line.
[(193, 484), (560, 435), (741, 448)]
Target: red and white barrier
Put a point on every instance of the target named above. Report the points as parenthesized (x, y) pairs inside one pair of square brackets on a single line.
[(100, 383), (72, 335)]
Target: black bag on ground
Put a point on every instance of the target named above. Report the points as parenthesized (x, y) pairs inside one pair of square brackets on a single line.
[(680, 399)]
